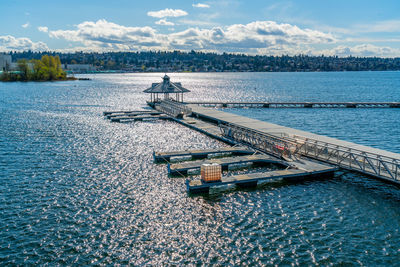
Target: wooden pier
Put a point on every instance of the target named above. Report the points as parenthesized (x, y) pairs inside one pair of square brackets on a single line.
[(298, 104), (199, 154)]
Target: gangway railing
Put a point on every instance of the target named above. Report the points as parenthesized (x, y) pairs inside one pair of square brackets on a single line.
[(283, 145), (173, 108)]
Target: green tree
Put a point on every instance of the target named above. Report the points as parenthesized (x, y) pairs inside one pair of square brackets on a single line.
[(24, 69)]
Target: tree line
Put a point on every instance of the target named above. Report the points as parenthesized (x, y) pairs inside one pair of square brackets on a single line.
[(201, 61)]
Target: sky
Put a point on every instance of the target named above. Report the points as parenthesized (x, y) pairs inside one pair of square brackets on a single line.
[(264, 27)]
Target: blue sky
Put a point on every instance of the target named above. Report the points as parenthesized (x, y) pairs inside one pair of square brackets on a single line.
[(352, 27)]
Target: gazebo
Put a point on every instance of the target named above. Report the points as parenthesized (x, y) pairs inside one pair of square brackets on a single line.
[(166, 87)]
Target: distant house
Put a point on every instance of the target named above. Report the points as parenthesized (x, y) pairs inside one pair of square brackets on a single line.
[(5, 62), (79, 68)]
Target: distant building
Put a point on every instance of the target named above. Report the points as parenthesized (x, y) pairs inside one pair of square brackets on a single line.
[(79, 68), (5, 62)]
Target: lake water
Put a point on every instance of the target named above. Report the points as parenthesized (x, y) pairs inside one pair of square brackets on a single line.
[(77, 189)]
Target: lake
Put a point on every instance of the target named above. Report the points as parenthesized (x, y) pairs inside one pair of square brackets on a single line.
[(77, 189)]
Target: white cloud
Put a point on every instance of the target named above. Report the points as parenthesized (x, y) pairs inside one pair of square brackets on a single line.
[(11, 43), (165, 22), (200, 5), (167, 13), (246, 38), (197, 22), (26, 25), (363, 50), (43, 29), (104, 35)]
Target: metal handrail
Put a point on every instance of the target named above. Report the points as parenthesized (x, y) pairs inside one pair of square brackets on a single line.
[(173, 108), (350, 158)]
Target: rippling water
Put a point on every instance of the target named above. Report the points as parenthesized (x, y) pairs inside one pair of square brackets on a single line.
[(77, 189)]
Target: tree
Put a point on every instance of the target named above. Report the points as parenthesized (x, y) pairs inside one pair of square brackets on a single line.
[(24, 69)]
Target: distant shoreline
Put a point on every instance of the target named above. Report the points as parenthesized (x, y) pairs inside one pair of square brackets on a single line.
[(178, 61), (67, 79)]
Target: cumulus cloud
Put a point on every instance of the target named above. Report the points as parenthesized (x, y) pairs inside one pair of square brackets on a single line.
[(43, 29), (104, 35), (200, 5), (26, 25), (167, 13), (11, 43), (165, 22), (259, 34)]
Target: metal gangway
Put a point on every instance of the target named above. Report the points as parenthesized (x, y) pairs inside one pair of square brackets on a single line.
[(173, 108), (292, 147)]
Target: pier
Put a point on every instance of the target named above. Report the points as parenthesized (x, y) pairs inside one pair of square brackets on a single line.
[(276, 144), (289, 143), (298, 104)]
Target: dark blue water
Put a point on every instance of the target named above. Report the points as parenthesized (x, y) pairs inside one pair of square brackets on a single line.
[(77, 189)]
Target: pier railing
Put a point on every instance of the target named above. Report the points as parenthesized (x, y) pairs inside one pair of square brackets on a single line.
[(173, 108), (286, 146)]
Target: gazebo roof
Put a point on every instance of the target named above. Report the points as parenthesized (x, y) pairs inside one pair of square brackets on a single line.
[(166, 86)]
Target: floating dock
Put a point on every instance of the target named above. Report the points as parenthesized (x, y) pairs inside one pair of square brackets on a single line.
[(199, 154), (183, 168), (125, 112), (135, 115), (252, 179), (299, 104), (293, 170), (139, 118), (132, 114)]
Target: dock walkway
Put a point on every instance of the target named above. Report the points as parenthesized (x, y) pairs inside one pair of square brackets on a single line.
[(284, 141)]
